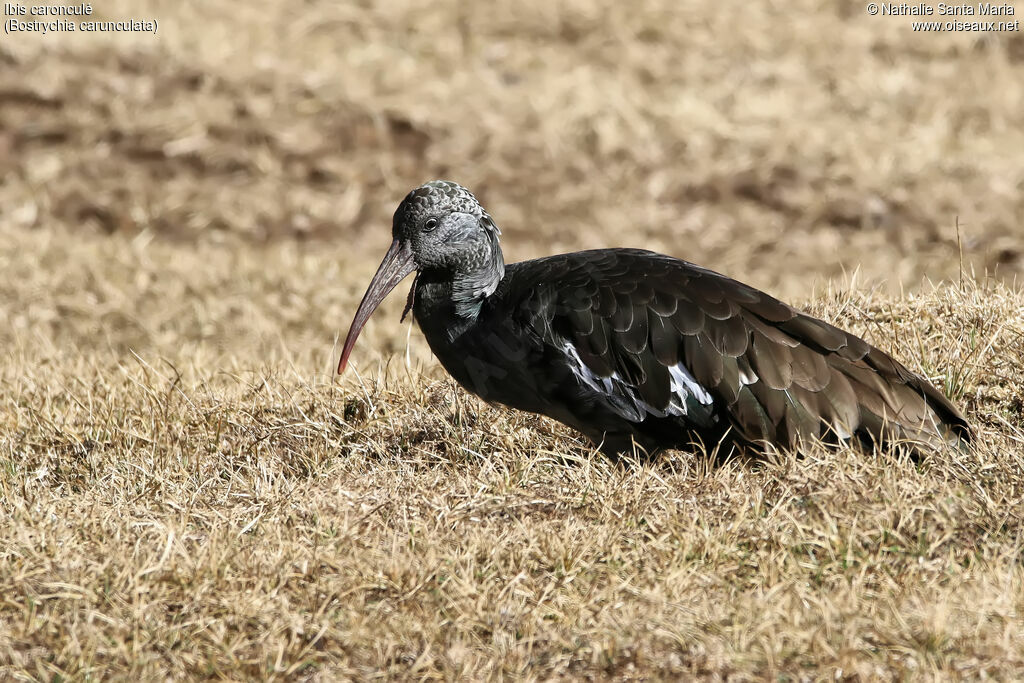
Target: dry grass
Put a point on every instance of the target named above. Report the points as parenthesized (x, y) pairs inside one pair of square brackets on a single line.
[(187, 491)]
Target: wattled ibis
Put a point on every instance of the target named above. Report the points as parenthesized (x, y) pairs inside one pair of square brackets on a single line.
[(634, 348)]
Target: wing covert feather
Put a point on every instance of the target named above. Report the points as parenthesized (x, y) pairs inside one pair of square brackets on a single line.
[(772, 372)]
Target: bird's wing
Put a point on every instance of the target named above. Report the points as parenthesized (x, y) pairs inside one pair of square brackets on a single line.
[(659, 336)]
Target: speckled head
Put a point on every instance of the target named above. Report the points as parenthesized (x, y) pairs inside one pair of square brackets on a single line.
[(436, 199), (440, 228)]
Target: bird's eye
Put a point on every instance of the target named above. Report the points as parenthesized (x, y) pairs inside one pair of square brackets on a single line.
[(430, 224)]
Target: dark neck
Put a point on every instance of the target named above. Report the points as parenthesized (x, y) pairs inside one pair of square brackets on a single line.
[(471, 285), (450, 299)]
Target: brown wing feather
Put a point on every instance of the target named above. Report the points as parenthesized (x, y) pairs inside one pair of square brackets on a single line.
[(775, 374)]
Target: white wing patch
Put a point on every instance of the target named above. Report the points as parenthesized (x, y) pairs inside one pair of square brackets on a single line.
[(684, 384), (624, 396), (747, 377)]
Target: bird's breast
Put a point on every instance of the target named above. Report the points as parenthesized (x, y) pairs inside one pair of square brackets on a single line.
[(487, 354), (491, 362)]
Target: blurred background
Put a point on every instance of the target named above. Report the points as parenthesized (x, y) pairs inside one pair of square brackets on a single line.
[(189, 219), (227, 184)]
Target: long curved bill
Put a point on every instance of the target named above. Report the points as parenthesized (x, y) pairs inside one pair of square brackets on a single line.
[(396, 265)]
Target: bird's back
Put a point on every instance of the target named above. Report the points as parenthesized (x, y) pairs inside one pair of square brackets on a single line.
[(631, 345)]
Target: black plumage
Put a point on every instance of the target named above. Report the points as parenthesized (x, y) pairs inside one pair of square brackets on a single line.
[(630, 346)]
